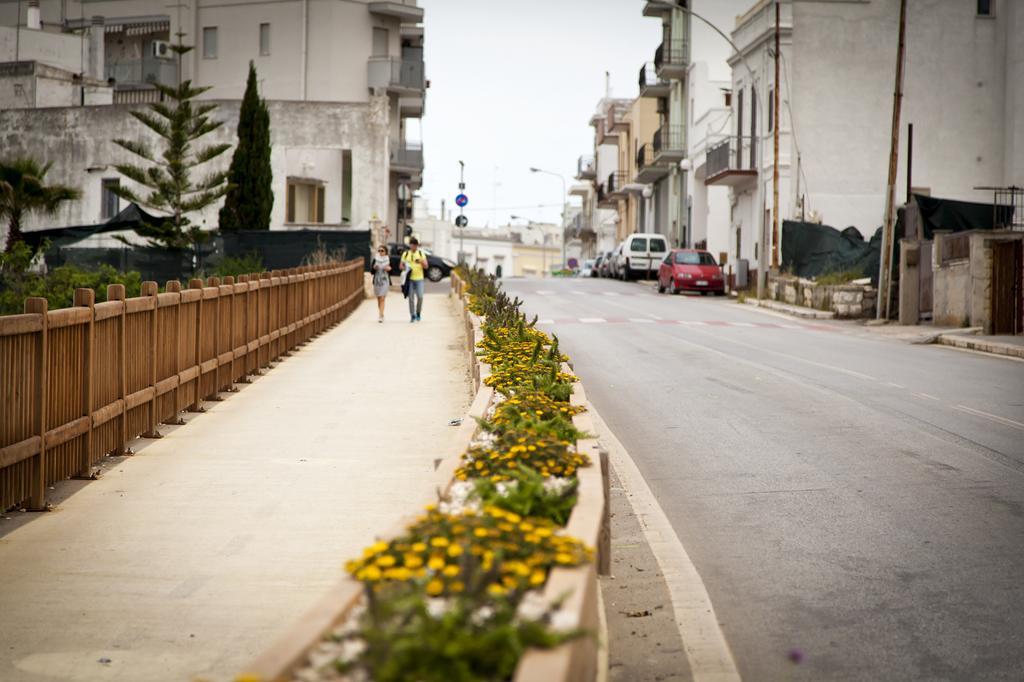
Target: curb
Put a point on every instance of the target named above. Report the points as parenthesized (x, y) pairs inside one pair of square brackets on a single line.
[(981, 345), (792, 310)]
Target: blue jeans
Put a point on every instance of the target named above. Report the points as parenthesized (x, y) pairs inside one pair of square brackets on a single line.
[(415, 297)]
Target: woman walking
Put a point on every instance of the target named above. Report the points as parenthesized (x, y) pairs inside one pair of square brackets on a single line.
[(381, 278)]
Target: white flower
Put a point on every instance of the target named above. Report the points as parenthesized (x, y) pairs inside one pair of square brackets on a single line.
[(482, 615), (564, 621), (437, 607), (532, 607)]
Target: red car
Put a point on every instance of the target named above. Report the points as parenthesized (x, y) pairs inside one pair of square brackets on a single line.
[(690, 270)]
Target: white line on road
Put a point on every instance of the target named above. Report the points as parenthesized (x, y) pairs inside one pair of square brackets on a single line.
[(592, 320), (743, 324), (545, 293), (993, 417), (639, 320), (693, 323), (578, 293), (653, 317), (924, 396), (706, 649), (894, 385)]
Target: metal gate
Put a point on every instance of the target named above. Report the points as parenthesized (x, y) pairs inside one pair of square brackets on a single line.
[(924, 301), (1008, 287)]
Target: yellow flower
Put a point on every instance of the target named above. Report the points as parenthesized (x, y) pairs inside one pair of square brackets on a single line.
[(457, 586), (537, 578), (450, 570), (435, 587), (439, 542), (564, 558), (419, 547), (385, 560), (495, 589), (436, 563), (370, 573), (480, 532), (454, 550), (412, 561)]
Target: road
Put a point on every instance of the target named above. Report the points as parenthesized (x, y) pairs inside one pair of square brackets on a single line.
[(855, 497)]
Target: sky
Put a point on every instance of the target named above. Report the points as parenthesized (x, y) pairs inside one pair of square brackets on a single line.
[(513, 84)]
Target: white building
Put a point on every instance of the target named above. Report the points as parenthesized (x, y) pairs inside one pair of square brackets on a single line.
[(343, 81), (963, 92)]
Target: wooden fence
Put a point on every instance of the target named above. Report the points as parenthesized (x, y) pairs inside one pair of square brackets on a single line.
[(79, 383)]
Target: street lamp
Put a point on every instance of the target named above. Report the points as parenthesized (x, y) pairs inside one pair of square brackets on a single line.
[(540, 170)]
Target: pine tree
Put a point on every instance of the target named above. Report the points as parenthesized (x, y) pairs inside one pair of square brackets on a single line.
[(180, 124), (250, 197)]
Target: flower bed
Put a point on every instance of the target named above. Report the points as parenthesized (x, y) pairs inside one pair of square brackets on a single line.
[(492, 580)]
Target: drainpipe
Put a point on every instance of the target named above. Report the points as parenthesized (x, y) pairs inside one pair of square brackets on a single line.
[(305, 47)]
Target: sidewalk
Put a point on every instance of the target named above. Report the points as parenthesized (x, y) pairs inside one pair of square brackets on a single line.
[(1011, 346), (191, 557)]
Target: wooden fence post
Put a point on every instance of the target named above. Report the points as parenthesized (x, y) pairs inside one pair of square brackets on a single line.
[(173, 286), (37, 500), (115, 292), (230, 387), (86, 298), (152, 290), (197, 406)]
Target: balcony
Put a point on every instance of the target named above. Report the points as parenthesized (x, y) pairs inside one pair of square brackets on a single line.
[(586, 168), (412, 106), (617, 121), (604, 199), (658, 8), (670, 59), (407, 158), (730, 163), (616, 184), (141, 72), (669, 144), (406, 12), (399, 76), (649, 169), (652, 85)]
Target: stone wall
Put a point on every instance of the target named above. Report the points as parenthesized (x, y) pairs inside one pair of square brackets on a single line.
[(845, 300), (962, 288)]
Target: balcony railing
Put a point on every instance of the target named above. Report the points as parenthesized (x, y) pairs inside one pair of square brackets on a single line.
[(395, 73), (644, 156), (142, 71), (651, 84), (408, 157), (616, 183), (730, 162), (138, 96), (670, 58), (669, 140), (586, 169)]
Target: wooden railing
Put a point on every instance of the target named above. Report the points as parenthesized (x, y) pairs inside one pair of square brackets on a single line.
[(79, 383)]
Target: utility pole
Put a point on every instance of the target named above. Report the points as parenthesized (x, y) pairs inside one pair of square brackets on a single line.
[(775, 155), (462, 221), (885, 262)]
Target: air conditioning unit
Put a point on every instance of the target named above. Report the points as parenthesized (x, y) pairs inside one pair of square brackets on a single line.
[(161, 49)]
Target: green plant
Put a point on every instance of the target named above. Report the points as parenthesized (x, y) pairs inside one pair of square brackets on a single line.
[(527, 495), (167, 176), (250, 196), (248, 264), (23, 191), (838, 277)]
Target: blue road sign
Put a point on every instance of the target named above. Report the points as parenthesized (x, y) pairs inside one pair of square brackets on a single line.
[(461, 200)]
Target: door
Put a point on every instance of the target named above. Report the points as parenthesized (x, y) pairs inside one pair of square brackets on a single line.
[(1007, 285), (924, 271)]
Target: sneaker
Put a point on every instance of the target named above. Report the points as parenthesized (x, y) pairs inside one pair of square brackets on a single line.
[(380, 319), (418, 318), (412, 319)]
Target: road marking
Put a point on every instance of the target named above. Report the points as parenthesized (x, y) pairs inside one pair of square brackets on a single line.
[(578, 293), (894, 385), (545, 293), (592, 320), (924, 396), (993, 417), (703, 640), (653, 317), (743, 324), (641, 320), (610, 293)]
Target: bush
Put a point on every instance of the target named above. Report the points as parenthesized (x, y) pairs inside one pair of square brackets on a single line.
[(250, 263), (58, 286), (838, 277)]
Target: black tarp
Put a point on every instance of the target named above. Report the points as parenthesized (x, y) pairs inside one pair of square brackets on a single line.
[(959, 216), (288, 249), (811, 250)]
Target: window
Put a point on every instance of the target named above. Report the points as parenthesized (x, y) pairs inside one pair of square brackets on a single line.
[(346, 185), (694, 258), (209, 42), (264, 40), (305, 202), (109, 202), (739, 128), (754, 142), (985, 8), (638, 244), (380, 42), (771, 109), (658, 244)]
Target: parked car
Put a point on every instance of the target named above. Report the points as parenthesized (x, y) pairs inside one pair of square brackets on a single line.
[(587, 269), (690, 270), (437, 268), (639, 255), (595, 271), (604, 270)]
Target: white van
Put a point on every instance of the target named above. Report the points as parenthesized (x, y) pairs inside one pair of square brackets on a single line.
[(639, 255)]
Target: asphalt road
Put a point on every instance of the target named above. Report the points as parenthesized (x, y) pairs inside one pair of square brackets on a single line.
[(855, 497)]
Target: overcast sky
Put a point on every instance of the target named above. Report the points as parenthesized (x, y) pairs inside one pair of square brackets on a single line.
[(513, 84)]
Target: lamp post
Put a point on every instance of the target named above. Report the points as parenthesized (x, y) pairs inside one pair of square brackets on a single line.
[(540, 170)]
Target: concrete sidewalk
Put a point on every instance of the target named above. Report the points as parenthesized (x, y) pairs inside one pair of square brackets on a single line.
[(189, 558), (1010, 346)]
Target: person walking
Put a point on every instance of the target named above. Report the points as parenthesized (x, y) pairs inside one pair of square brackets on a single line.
[(415, 261), (381, 278)]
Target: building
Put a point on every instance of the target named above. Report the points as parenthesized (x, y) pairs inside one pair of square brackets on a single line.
[(344, 82), (963, 93)]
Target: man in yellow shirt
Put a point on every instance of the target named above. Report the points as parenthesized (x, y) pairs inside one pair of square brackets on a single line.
[(415, 261)]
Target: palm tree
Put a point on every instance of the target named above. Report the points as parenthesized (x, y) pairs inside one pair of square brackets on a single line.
[(22, 191)]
